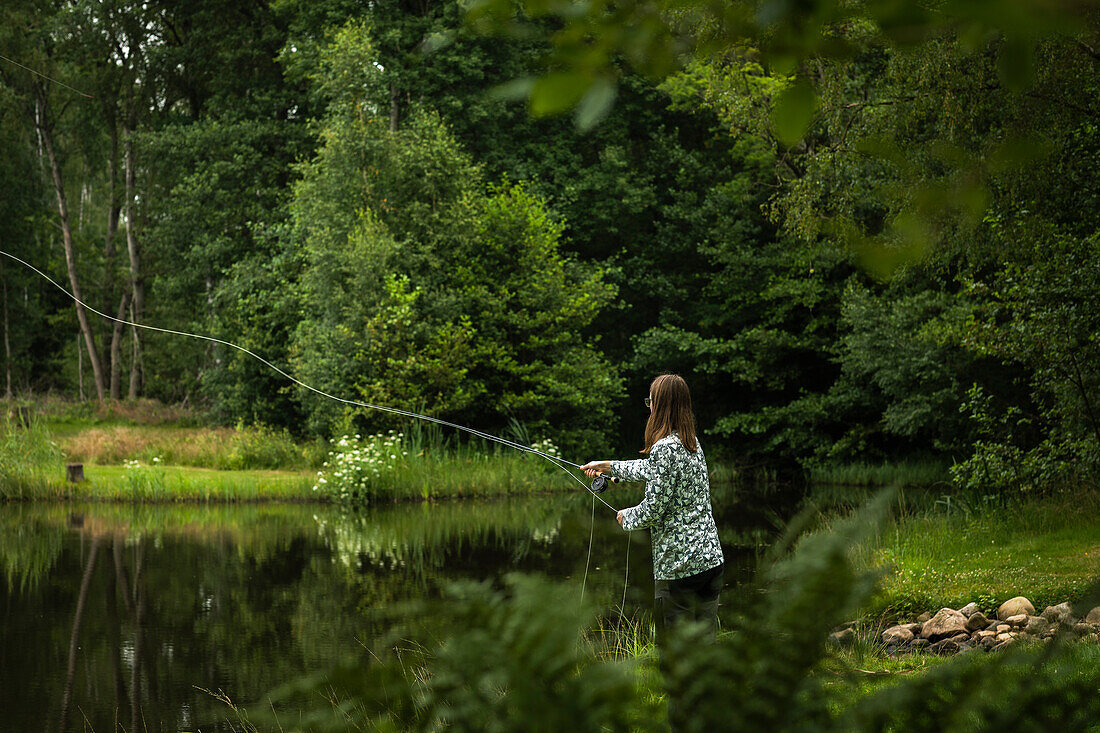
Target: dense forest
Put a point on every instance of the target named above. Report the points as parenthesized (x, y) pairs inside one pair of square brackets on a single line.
[(859, 239)]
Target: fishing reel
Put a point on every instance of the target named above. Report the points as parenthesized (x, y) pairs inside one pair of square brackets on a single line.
[(599, 484)]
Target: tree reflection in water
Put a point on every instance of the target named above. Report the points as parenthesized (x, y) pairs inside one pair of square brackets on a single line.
[(131, 613)]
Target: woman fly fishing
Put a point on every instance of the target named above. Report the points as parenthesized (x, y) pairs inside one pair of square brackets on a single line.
[(687, 556)]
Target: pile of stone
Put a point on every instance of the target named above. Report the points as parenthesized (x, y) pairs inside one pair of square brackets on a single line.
[(950, 631)]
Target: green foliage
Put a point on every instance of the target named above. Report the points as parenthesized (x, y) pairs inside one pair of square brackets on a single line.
[(145, 482), (522, 661), (1028, 687), (355, 465), (1039, 315), (425, 290), (589, 44), (23, 303), (831, 218), (262, 447), (761, 676), (215, 266), (516, 666), (899, 385), (793, 112), (366, 334)]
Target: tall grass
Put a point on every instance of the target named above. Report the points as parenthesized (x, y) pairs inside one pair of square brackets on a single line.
[(428, 464), (902, 473), (722, 472), (29, 458), (155, 483), (625, 637), (243, 447), (465, 471)]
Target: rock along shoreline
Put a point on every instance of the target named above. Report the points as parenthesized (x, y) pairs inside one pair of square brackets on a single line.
[(951, 631)]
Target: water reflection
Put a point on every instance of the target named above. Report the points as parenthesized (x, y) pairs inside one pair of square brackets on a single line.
[(134, 616)]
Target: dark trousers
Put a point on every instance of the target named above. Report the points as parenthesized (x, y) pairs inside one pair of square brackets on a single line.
[(694, 598)]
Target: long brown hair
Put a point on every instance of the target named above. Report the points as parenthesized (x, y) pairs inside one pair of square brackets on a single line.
[(670, 409)]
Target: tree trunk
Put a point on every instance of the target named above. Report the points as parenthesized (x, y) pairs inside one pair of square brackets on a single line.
[(7, 340), (135, 361), (80, 367), (84, 196), (114, 208), (81, 602), (70, 251), (114, 627), (137, 280), (116, 347), (139, 638)]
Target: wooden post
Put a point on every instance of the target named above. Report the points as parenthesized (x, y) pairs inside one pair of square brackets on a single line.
[(23, 416), (74, 472)]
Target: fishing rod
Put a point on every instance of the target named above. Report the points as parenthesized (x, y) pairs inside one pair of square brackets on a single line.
[(598, 485)]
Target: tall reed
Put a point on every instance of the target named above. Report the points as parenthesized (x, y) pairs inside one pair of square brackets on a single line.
[(902, 473), (29, 459), (426, 464)]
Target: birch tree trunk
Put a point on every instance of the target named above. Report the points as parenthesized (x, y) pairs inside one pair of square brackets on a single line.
[(114, 210), (137, 279), (70, 251), (80, 367)]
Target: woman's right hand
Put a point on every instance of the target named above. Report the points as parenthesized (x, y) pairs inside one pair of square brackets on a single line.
[(595, 468)]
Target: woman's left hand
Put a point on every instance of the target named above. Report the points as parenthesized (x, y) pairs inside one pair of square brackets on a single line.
[(619, 517), (595, 468)]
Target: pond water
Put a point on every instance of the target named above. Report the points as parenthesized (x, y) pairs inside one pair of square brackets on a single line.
[(132, 617)]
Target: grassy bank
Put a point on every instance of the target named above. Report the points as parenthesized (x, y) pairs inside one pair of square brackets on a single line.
[(1047, 549), (179, 483), (147, 462), (854, 675), (126, 459)]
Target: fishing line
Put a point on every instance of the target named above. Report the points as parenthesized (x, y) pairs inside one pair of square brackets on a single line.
[(560, 462), (591, 533), (557, 461), (47, 78), (588, 560), (626, 580)]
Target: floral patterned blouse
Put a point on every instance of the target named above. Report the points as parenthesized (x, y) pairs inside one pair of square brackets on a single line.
[(676, 508)]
